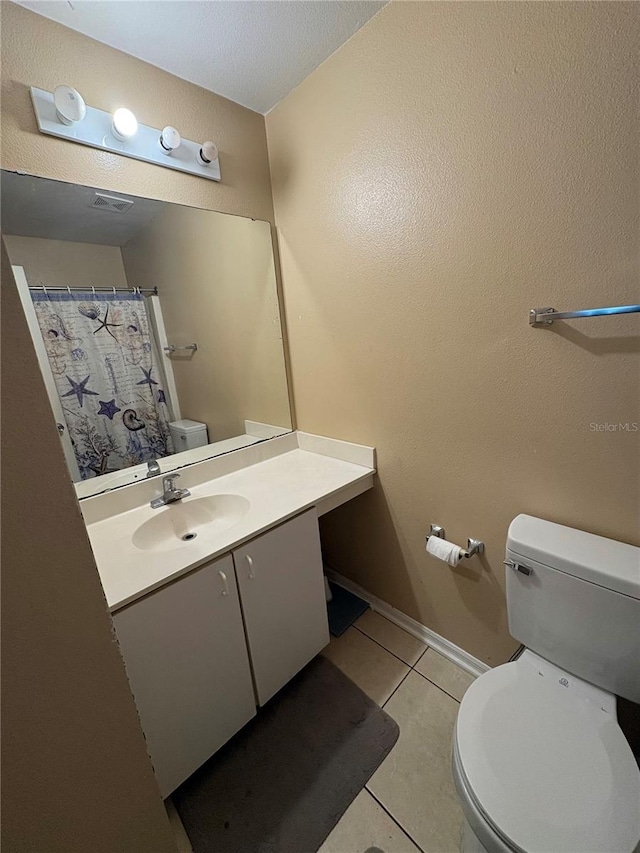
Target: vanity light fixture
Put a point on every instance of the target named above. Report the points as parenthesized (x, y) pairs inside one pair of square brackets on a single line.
[(69, 104), (208, 153), (125, 124), (169, 140), (64, 114)]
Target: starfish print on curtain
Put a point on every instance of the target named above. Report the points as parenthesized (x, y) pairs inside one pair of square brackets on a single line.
[(109, 409), (114, 418), (79, 389)]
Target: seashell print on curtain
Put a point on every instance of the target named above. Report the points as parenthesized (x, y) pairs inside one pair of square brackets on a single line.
[(100, 352)]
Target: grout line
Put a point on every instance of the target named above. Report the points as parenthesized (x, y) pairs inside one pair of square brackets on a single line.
[(395, 689), (399, 825), (438, 686), (410, 668), (411, 626), (421, 656), (378, 643)]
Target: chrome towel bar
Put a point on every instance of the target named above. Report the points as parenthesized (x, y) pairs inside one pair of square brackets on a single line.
[(546, 316), (174, 348)]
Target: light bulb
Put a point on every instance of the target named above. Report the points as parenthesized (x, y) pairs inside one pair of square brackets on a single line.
[(169, 140), (207, 154), (69, 104), (125, 124)]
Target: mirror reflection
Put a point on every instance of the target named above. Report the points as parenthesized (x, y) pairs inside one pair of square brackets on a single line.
[(156, 326)]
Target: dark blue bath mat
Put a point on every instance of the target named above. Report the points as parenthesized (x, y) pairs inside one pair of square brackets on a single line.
[(343, 609)]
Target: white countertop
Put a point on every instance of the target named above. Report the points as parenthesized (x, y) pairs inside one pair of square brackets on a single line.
[(277, 488)]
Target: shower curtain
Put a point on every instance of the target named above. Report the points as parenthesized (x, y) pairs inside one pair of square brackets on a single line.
[(100, 352)]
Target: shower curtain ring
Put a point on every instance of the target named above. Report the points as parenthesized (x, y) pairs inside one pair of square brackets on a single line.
[(68, 290), (93, 290), (44, 288), (114, 291)]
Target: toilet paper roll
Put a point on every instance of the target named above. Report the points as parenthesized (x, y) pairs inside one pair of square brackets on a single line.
[(443, 550)]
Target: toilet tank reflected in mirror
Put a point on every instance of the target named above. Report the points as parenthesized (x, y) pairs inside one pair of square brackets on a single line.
[(143, 314)]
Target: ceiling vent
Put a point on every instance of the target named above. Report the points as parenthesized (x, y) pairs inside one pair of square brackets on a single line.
[(111, 202)]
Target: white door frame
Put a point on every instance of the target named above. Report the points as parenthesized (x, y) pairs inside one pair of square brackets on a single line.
[(45, 369)]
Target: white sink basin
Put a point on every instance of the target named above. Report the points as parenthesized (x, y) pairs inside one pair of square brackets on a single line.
[(180, 523)]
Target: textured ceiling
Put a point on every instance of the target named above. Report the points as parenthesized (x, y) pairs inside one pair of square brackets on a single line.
[(253, 52)]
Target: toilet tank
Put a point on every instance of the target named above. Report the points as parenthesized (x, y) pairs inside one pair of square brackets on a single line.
[(574, 598), (186, 434)]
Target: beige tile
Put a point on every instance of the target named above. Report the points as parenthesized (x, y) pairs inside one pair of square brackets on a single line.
[(365, 825), (444, 673), (183, 845), (414, 783), (393, 638), (373, 669)]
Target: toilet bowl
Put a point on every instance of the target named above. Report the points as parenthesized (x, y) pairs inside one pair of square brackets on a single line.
[(540, 763)]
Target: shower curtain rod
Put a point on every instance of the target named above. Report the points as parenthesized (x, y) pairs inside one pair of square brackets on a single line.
[(45, 288)]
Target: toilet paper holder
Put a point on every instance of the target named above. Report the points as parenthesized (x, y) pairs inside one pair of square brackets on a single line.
[(474, 546)]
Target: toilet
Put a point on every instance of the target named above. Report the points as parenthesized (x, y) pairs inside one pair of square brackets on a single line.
[(540, 763)]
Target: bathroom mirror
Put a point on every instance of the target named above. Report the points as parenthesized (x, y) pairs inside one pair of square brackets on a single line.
[(157, 326)]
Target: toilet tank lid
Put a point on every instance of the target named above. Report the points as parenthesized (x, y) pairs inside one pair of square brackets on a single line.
[(606, 562), (188, 426)]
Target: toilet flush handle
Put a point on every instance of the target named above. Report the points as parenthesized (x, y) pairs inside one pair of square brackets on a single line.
[(524, 570)]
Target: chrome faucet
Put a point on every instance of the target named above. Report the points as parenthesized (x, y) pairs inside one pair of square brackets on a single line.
[(170, 494), (153, 469)]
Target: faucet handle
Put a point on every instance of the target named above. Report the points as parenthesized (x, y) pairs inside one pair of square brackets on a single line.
[(169, 482)]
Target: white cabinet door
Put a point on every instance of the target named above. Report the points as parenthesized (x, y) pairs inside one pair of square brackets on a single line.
[(283, 601), (186, 657)]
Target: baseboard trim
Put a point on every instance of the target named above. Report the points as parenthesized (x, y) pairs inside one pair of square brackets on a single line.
[(412, 626)]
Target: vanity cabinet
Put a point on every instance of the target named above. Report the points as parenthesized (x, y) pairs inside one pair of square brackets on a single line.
[(283, 601), (195, 649), (186, 658)]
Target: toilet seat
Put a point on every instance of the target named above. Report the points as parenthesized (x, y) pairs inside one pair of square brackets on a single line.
[(545, 761)]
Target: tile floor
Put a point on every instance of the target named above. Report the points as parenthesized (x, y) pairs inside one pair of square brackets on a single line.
[(409, 805)]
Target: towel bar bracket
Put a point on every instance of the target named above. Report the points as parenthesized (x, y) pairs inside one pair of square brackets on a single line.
[(536, 317), (546, 316)]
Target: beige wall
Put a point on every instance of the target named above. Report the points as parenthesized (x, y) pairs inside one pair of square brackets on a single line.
[(217, 284), (76, 776), (449, 168), (60, 263), (39, 52), (75, 772)]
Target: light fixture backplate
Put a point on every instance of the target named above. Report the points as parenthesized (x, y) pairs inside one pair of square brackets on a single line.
[(95, 131)]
